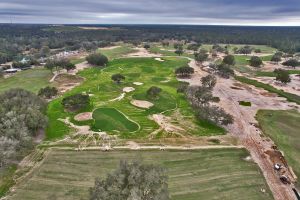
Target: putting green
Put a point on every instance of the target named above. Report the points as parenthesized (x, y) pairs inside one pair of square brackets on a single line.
[(110, 119)]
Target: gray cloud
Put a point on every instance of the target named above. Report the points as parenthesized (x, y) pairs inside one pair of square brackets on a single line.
[(250, 12)]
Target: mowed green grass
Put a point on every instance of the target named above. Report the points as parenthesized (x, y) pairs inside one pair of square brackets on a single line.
[(284, 129), (110, 119), (32, 80), (193, 175), (145, 70)]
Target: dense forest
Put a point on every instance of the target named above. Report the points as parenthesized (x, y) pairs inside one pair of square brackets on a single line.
[(39, 40)]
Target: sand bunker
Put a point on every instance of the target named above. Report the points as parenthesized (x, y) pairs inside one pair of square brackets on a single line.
[(137, 83), (141, 104), (128, 89), (159, 59), (83, 116)]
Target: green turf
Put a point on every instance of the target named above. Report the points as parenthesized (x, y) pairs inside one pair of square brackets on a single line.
[(117, 52), (32, 80), (110, 119), (289, 96), (272, 74), (284, 129), (146, 70), (193, 175)]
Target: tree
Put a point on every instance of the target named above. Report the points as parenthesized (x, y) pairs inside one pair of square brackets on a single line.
[(291, 63), (117, 78), (229, 60), (255, 61), (218, 48), (276, 58), (132, 181), (244, 50), (69, 66), (282, 76), (97, 59), (257, 50), (201, 56), (194, 47), (153, 92), (224, 70), (214, 114), (209, 81), (147, 46), (179, 50), (184, 72), (76, 102), (48, 92)]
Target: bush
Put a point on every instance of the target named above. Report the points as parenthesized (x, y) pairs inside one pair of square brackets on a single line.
[(229, 60), (291, 63), (48, 92), (255, 61), (245, 103), (224, 70), (184, 72), (282, 75), (76, 102), (147, 46), (118, 78), (153, 92), (97, 59)]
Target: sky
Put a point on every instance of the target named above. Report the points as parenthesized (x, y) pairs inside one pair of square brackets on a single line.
[(204, 12)]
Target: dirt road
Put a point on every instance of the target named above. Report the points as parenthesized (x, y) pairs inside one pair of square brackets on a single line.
[(230, 93)]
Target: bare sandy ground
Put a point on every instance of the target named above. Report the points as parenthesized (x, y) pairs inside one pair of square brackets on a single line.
[(138, 83), (159, 59), (142, 52), (244, 125), (128, 89), (83, 116), (142, 104), (292, 87), (110, 48)]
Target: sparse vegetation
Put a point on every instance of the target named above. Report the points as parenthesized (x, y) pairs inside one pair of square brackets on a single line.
[(76, 102)]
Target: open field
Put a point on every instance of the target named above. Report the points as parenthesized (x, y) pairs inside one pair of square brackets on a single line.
[(31, 80), (193, 174), (283, 127), (107, 94)]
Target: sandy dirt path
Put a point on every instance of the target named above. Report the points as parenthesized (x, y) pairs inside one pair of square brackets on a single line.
[(243, 128)]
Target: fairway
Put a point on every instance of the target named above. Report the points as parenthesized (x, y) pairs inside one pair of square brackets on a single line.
[(32, 80), (283, 127), (110, 119), (193, 175)]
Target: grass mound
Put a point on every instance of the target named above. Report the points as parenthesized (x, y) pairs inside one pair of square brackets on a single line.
[(110, 119)]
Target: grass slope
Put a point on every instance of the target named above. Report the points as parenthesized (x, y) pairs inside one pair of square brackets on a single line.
[(146, 70), (283, 127), (110, 119), (117, 52), (193, 175), (290, 97), (32, 80)]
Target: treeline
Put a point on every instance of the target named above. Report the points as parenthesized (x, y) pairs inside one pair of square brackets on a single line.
[(38, 40)]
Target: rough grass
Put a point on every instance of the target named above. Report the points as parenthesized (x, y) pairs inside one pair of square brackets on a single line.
[(290, 97), (283, 127), (117, 52), (245, 103), (32, 80), (98, 82), (110, 119), (193, 175), (6, 179)]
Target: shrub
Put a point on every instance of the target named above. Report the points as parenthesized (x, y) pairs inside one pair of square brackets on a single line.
[(76, 102), (118, 78), (153, 92), (255, 61), (291, 63), (97, 59), (48, 92), (184, 72), (229, 60), (245, 103), (282, 75)]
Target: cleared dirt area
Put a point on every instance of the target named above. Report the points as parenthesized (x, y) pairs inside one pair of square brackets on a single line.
[(142, 104), (193, 174), (244, 125), (292, 87), (66, 82), (142, 52)]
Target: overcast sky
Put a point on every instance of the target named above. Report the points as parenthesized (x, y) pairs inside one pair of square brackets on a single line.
[(223, 12)]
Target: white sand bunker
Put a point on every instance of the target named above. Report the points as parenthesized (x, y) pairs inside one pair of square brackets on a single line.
[(141, 104), (159, 59), (83, 116), (128, 89), (138, 83)]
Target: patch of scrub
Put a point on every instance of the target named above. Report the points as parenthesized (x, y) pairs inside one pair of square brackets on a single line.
[(142, 104), (245, 103), (128, 89), (137, 83), (83, 116), (110, 119)]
